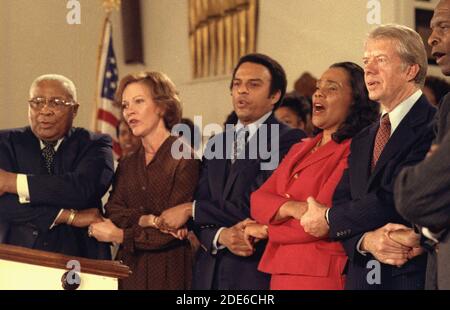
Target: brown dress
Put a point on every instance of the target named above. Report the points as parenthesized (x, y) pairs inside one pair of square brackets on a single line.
[(157, 260)]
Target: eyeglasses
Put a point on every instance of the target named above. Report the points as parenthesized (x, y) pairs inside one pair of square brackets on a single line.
[(54, 103)]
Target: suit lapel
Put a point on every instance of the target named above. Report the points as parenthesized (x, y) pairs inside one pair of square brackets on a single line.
[(218, 167), (28, 153), (401, 137), (361, 154), (321, 153), (66, 153), (241, 164), (404, 134), (219, 171)]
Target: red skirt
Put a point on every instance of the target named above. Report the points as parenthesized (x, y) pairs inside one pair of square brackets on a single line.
[(334, 281)]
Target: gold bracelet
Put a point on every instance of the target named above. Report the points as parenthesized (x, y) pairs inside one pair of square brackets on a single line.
[(154, 221), (71, 217)]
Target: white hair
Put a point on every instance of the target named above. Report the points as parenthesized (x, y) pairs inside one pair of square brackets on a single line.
[(68, 85), (409, 46)]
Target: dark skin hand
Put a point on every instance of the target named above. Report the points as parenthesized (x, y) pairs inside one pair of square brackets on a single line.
[(83, 218)]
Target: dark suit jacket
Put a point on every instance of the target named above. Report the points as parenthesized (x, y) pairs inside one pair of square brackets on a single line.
[(223, 200), (83, 170), (364, 201), (422, 195)]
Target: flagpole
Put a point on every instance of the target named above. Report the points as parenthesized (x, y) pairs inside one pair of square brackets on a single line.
[(108, 6)]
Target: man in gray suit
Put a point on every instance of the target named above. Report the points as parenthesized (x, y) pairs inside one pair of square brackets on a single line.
[(422, 192)]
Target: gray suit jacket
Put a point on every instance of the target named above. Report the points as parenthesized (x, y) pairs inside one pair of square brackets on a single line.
[(422, 195)]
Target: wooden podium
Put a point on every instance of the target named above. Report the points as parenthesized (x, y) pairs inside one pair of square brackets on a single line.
[(27, 269)]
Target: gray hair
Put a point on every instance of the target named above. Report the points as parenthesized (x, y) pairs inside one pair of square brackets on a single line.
[(409, 46), (68, 85)]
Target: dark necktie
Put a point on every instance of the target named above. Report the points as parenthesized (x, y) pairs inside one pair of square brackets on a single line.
[(48, 153), (240, 140), (383, 134)]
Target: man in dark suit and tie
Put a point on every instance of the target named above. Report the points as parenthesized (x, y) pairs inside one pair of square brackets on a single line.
[(235, 164), (381, 246), (52, 175), (422, 192)]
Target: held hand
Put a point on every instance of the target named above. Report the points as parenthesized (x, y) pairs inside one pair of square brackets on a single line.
[(106, 231), (415, 252), (180, 233), (406, 237), (175, 217), (193, 240), (409, 238), (385, 249), (255, 232), (233, 239), (241, 225), (432, 150), (86, 217), (313, 221), (148, 220), (290, 209)]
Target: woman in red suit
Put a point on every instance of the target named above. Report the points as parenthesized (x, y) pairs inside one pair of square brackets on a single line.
[(312, 168)]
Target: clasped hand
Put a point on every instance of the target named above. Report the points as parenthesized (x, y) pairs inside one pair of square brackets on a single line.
[(235, 239), (154, 221), (392, 244)]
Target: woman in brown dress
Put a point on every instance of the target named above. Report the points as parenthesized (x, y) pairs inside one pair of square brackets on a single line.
[(148, 182)]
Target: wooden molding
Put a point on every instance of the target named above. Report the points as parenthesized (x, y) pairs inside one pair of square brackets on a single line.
[(105, 268)]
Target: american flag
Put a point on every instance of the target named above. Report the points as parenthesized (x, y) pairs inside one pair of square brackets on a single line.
[(108, 113)]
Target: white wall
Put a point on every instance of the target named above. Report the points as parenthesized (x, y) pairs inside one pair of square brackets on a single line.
[(301, 34), (36, 39)]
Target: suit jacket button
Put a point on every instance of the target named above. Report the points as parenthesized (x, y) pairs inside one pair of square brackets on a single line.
[(287, 195), (296, 176), (35, 233), (143, 188)]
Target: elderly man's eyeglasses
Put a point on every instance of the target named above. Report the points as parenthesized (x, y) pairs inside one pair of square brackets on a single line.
[(54, 103)]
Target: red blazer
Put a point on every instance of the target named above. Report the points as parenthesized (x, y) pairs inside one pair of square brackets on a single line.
[(290, 250)]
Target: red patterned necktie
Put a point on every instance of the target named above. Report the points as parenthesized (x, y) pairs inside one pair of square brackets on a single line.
[(383, 134)]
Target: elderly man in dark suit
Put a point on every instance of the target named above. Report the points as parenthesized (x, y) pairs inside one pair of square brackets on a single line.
[(236, 163), (422, 192), (381, 246), (52, 175)]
